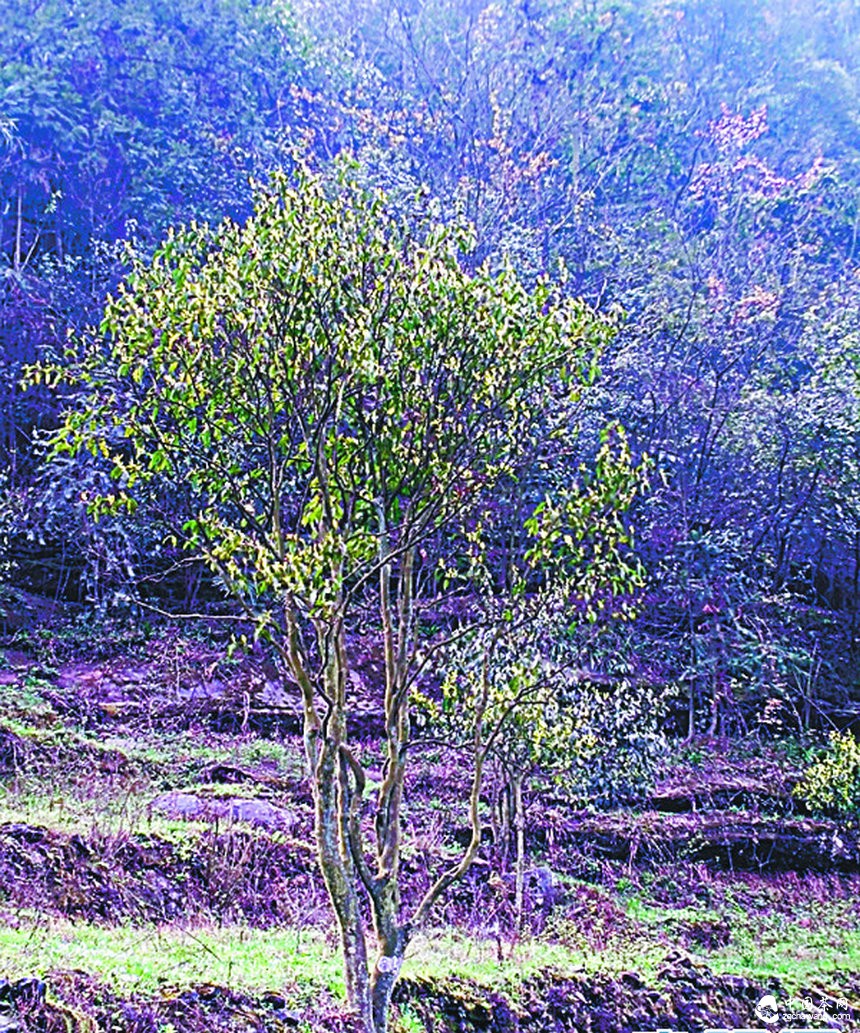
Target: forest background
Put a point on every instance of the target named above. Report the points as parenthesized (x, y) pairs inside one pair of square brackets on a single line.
[(694, 165)]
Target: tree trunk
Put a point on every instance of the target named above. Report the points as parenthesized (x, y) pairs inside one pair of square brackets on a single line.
[(519, 825), (384, 888), (325, 750), (385, 976), (19, 225), (341, 880)]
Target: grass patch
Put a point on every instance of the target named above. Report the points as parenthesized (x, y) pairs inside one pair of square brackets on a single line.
[(81, 784), (440, 954), (96, 814), (119, 816), (184, 751), (149, 960), (63, 809), (799, 952), (303, 962), (803, 943), (22, 701)]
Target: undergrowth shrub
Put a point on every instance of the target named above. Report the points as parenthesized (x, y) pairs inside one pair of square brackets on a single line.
[(831, 783), (615, 742)]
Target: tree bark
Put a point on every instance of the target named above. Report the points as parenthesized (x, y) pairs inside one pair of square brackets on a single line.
[(385, 975), (340, 879), (325, 749), (519, 825), (19, 224)]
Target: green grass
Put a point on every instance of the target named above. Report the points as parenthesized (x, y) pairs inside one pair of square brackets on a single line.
[(304, 962), (443, 953), (148, 960), (103, 815), (118, 817), (67, 810), (292, 961), (23, 700), (183, 750), (72, 795), (807, 945), (798, 954)]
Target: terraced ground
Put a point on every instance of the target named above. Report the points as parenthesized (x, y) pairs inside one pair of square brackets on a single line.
[(156, 873)]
